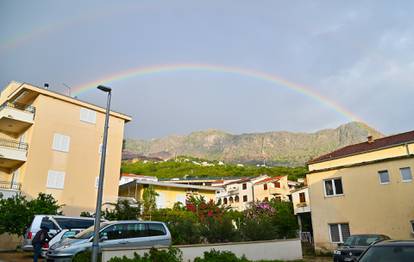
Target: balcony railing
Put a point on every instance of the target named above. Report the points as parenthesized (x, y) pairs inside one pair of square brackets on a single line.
[(19, 106), (13, 144), (10, 185)]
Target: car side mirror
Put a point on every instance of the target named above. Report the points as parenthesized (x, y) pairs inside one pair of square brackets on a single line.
[(103, 238)]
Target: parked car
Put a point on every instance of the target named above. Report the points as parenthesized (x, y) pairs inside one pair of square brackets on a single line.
[(113, 234), (55, 224), (354, 246), (389, 251), (65, 233)]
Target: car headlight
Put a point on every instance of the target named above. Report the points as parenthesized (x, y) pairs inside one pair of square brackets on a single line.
[(337, 252)]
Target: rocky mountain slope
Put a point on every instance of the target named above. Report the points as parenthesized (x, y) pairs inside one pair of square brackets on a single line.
[(276, 148)]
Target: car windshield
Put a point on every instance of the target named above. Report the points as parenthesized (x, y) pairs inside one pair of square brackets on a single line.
[(87, 233), (389, 254), (361, 240)]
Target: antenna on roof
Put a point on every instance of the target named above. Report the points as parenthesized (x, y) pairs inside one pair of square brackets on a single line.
[(68, 87)]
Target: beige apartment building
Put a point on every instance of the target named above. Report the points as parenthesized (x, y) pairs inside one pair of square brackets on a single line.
[(363, 188), (272, 187), (51, 143)]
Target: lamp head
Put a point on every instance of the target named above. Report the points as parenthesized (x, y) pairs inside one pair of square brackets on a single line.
[(104, 88)]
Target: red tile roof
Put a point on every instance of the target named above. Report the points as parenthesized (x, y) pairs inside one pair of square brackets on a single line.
[(270, 179), (366, 146)]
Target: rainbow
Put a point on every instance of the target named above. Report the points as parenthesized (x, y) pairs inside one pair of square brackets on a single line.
[(262, 76)]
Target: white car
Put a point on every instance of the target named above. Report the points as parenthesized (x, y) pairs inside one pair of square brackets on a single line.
[(55, 224), (65, 233)]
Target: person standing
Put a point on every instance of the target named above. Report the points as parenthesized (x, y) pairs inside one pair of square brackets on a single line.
[(39, 239)]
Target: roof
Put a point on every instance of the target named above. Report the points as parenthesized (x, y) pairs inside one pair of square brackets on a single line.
[(270, 179), (47, 92), (164, 184), (376, 144), (395, 243)]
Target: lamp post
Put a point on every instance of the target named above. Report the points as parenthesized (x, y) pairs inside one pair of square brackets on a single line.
[(95, 245)]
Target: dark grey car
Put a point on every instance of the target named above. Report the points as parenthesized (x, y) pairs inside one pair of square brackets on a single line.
[(113, 234), (355, 245), (389, 251)]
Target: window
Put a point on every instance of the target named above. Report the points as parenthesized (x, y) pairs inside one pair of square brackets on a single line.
[(266, 199), (69, 223), (384, 176), (231, 200), (245, 198), (136, 230), (277, 184), (339, 232), (244, 186), (114, 232), (236, 199), (225, 201), (87, 115), (406, 174), (155, 229), (55, 179), (49, 224), (412, 225), (264, 186), (61, 142), (302, 198), (333, 187)]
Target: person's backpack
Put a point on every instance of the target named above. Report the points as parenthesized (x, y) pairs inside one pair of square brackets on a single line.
[(40, 237)]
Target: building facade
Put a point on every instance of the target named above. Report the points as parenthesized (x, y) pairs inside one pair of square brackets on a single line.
[(363, 188), (272, 188), (51, 143), (168, 193)]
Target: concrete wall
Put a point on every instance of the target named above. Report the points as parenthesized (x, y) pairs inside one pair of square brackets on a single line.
[(259, 250)]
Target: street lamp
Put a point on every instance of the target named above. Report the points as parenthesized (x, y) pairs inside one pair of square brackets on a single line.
[(95, 245)]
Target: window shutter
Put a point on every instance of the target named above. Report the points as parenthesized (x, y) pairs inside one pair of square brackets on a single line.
[(61, 142), (87, 115), (55, 179)]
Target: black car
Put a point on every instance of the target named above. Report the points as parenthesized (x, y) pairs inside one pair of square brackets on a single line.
[(354, 245), (389, 251)]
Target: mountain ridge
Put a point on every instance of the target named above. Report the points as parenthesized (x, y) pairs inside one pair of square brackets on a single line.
[(275, 147)]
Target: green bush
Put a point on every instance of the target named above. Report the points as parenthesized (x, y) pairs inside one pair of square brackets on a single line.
[(220, 256), (85, 256), (154, 255), (16, 213), (183, 225)]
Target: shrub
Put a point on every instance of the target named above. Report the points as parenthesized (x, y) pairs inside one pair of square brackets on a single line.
[(122, 211), (183, 225), (154, 255), (85, 256), (16, 213), (220, 256)]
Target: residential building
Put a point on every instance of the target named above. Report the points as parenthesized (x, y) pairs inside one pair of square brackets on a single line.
[(126, 178), (168, 193), (272, 187), (302, 210), (240, 193), (52, 143), (363, 188)]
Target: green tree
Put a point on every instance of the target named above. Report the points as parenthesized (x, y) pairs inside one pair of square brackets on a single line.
[(122, 210), (16, 213), (149, 197)]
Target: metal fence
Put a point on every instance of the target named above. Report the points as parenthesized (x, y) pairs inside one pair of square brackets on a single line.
[(13, 144), (23, 107), (9, 185)]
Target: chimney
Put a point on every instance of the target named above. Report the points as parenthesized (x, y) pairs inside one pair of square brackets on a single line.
[(46, 85), (370, 139)]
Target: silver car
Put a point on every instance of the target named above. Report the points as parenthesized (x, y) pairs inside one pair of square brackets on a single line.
[(113, 234)]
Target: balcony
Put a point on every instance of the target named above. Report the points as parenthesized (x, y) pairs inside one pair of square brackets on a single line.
[(15, 118), (12, 153), (276, 191), (302, 207), (9, 189)]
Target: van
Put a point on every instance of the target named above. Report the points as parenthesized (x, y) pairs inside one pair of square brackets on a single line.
[(55, 224), (113, 234)]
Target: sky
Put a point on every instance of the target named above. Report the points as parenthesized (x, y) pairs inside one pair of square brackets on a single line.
[(238, 66)]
